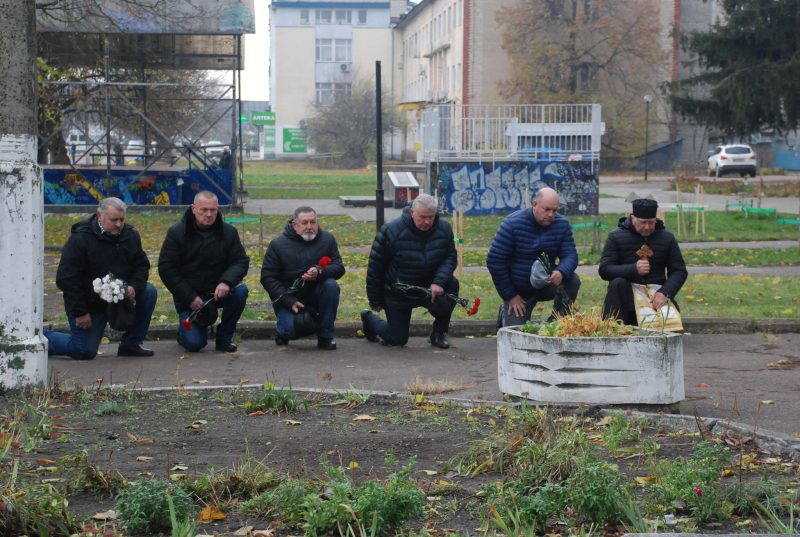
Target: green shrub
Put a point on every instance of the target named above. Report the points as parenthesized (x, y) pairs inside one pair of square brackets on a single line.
[(274, 400), (143, 506), (285, 502), (33, 509), (596, 491)]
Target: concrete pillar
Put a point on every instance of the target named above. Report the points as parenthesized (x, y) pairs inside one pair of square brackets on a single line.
[(23, 349)]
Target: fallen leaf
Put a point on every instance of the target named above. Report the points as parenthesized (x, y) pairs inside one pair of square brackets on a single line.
[(244, 531), (767, 402), (145, 441), (727, 472), (292, 422), (52, 480), (257, 413), (743, 523), (353, 465), (363, 417), (196, 424), (45, 462), (210, 514), (176, 477), (430, 472), (263, 533), (443, 483), (143, 458), (50, 469), (645, 480), (179, 468), (702, 385), (131, 437), (105, 515), (199, 381), (603, 422)]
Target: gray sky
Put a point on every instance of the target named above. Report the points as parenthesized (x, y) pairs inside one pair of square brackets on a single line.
[(255, 76)]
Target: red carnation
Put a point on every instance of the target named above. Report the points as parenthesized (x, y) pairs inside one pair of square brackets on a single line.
[(324, 261), (698, 491), (187, 324), (474, 309)]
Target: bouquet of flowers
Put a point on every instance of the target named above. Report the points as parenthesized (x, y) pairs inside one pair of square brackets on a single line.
[(298, 283), (110, 289), (549, 267), (426, 293)]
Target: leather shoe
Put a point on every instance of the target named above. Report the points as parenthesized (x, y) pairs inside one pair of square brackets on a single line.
[(226, 346), (326, 344), (133, 350), (280, 341), (368, 333), (438, 339)]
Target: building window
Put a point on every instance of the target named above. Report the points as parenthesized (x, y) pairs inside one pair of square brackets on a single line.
[(324, 16), (334, 50), (362, 16), (343, 16), (304, 16), (328, 92)]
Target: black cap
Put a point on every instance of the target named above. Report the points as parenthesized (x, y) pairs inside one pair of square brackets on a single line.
[(645, 208)]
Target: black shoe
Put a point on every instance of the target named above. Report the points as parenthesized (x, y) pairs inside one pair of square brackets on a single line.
[(133, 350), (368, 334), (438, 339), (280, 341), (226, 346), (326, 344)]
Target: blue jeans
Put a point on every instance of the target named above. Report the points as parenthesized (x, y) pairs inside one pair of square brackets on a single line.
[(232, 307), (570, 286), (82, 344), (325, 300)]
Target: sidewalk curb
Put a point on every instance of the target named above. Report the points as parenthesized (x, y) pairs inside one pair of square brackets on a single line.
[(484, 328)]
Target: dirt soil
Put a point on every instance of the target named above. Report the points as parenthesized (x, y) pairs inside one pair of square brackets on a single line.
[(189, 433)]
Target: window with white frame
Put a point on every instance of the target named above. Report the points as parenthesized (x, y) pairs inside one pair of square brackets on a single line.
[(324, 16), (362, 16), (328, 92), (304, 16), (342, 16), (334, 50)]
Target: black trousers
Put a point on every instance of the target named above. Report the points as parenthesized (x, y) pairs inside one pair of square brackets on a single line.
[(394, 330), (618, 303)]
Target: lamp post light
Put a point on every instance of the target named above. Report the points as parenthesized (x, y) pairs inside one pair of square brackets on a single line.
[(647, 100)]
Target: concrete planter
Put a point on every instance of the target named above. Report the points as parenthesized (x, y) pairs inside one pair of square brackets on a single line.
[(615, 370)]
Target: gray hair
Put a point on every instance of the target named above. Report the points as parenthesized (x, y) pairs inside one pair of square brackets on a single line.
[(302, 209), (111, 203), (424, 201)]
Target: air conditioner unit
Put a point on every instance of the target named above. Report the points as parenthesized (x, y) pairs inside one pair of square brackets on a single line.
[(345, 67)]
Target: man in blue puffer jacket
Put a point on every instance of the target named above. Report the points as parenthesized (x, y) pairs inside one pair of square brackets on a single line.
[(523, 237)]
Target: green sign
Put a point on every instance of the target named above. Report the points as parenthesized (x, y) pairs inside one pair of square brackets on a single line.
[(243, 119), (262, 118), (294, 140), (268, 138)]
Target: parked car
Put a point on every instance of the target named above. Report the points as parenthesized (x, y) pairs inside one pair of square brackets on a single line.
[(213, 148), (736, 158)]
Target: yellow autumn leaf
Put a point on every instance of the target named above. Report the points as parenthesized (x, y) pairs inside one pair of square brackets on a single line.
[(210, 514), (419, 398), (443, 483), (430, 472), (772, 460), (727, 472), (645, 480), (176, 477), (744, 523), (292, 422), (143, 458), (353, 465), (605, 421), (363, 417), (767, 402), (179, 468), (199, 381), (105, 515)]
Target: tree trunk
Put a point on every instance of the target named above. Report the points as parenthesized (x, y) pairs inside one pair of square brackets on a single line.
[(23, 349)]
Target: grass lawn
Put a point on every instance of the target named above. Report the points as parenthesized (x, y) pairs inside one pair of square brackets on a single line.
[(293, 180)]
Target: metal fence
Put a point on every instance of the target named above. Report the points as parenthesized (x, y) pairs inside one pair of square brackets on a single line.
[(453, 131)]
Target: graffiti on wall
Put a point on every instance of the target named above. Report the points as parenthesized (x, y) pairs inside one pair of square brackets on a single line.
[(68, 186), (492, 187)]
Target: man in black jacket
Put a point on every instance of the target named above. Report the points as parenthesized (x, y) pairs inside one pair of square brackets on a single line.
[(299, 272), (640, 251), (416, 249), (202, 263), (100, 246)]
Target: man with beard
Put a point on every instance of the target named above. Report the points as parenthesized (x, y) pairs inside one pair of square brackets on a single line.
[(299, 272), (202, 263), (416, 249), (640, 251), (100, 246)]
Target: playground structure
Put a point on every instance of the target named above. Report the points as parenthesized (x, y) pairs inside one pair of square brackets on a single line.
[(124, 148), (483, 159)]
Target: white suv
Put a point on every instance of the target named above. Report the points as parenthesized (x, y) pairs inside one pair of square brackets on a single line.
[(736, 158)]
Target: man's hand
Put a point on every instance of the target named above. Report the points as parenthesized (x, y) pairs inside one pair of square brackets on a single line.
[(311, 274), (517, 306), (130, 293), (556, 278), (84, 322), (659, 299), (222, 290), (642, 267), (436, 290), (197, 304), (297, 306)]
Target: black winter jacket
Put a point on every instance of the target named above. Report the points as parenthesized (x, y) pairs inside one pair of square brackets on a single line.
[(288, 257), (191, 264), (90, 254), (403, 253), (667, 267)]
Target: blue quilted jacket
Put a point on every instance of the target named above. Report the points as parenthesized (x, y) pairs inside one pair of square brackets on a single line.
[(519, 242)]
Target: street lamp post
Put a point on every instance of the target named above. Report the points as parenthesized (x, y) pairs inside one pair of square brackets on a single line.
[(647, 99)]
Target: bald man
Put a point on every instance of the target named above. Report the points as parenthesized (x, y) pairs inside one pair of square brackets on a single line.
[(522, 238)]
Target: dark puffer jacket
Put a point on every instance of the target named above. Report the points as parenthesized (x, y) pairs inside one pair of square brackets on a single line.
[(289, 256), (519, 242), (89, 254), (193, 262), (667, 267), (403, 253)]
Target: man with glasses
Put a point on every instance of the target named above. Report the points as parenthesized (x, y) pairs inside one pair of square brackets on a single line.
[(640, 251)]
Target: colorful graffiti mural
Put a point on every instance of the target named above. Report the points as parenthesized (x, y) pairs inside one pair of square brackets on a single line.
[(87, 186), (495, 187)]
